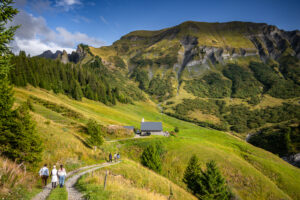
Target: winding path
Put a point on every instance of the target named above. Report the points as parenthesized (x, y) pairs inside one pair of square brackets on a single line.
[(73, 194)]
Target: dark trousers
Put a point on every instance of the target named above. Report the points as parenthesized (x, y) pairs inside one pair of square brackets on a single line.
[(44, 180), (53, 184)]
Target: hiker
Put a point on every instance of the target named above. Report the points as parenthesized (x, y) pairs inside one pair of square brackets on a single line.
[(54, 176), (44, 174), (118, 156), (110, 157), (115, 157), (62, 175)]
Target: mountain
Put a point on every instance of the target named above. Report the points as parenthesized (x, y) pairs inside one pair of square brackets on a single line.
[(239, 77), (64, 57)]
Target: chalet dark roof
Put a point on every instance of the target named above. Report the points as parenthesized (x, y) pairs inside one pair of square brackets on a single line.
[(129, 127), (151, 126)]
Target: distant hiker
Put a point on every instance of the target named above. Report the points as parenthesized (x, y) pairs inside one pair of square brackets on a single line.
[(44, 174), (110, 157), (54, 176), (62, 175), (118, 156), (115, 157)]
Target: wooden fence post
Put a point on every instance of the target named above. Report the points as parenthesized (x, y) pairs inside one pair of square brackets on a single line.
[(105, 179), (171, 190)]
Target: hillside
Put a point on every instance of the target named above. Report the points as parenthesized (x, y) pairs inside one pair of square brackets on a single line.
[(240, 77), (218, 83), (251, 172)]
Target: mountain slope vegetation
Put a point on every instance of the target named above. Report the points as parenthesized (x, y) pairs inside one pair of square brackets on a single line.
[(248, 165), (217, 75)]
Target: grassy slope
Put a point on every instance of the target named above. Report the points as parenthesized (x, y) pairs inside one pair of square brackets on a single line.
[(251, 172), (129, 180)]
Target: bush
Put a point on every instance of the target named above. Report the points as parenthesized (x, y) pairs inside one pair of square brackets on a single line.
[(151, 158), (274, 84), (211, 85), (176, 129), (282, 139), (65, 111), (95, 133), (244, 84)]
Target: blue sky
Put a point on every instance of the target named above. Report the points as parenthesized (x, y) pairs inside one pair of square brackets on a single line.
[(62, 24)]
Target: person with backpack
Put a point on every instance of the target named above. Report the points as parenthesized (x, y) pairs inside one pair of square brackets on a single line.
[(110, 157), (44, 174), (54, 176), (62, 176)]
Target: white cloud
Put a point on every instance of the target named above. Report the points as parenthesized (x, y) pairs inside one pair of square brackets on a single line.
[(67, 4), (34, 36), (36, 46), (103, 20)]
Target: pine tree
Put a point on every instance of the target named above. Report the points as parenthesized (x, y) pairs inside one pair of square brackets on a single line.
[(77, 92), (191, 174), (151, 158), (26, 144), (7, 12), (18, 138), (208, 184), (211, 184)]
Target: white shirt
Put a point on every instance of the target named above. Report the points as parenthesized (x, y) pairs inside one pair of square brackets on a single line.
[(54, 175)]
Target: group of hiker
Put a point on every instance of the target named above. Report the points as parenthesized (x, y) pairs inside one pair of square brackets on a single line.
[(56, 175), (116, 157), (60, 174)]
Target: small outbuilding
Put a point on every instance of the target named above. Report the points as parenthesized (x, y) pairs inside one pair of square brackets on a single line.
[(154, 128)]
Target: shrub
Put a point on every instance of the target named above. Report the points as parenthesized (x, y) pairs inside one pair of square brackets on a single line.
[(211, 85), (95, 133), (151, 158), (244, 84), (65, 111), (274, 84), (281, 139), (176, 129)]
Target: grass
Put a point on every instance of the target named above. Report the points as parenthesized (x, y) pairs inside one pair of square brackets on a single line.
[(58, 194), (251, 172), (15, 181), (129, 180)]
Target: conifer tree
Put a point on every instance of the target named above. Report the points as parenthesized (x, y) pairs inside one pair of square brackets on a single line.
[(151, 158), (207, 185), (7, 12), (18, 138), (192, 173), (25, 144), (211, 183)]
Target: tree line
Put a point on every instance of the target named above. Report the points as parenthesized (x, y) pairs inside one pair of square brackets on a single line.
[(77, 81)]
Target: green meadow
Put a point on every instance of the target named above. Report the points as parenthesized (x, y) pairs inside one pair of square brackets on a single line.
[(251, 173)]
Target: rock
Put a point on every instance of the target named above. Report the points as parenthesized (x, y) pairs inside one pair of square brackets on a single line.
[(64, 57)]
